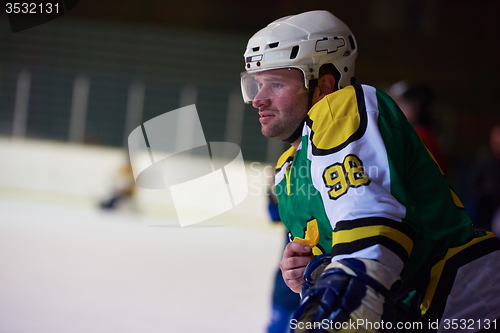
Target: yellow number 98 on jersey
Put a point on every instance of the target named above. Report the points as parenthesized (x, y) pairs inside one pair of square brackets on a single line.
[(339, 177)]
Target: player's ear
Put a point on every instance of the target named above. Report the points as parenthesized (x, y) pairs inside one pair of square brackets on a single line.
[(326, 85)]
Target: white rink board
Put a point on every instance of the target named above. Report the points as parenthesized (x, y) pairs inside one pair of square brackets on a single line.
[(84, 174), (74, 269)]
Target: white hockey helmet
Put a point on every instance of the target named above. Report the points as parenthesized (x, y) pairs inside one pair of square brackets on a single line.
[(305, 41)]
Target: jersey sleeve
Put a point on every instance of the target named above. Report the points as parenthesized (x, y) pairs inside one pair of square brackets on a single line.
[(356, 176)]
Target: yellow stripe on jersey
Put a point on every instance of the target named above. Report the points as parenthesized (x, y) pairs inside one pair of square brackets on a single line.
[(437, 270), (433, 158), (348, 236), (335, 119), (287, 156), (456, 200)]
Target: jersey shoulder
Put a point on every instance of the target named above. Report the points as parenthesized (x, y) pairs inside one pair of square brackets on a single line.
[(336, 120)]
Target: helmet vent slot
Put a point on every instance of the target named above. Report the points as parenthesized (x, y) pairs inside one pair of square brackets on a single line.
[(255, 49), (295, 51), (351, 41), (273, 45)]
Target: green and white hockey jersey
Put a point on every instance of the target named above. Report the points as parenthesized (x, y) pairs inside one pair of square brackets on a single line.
[(362, 184)]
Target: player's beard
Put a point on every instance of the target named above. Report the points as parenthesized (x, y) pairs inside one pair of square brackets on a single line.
[(286, 122), (281, 128)]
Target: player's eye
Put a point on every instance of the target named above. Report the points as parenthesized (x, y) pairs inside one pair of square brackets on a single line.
[(275, 85)]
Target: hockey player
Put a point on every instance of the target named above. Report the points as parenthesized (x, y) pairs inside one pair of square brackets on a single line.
[(380, 241), (415, 99)]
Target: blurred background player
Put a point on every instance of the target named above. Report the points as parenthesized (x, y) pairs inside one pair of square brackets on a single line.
[(122, 190), (415, 100), (485, 186)]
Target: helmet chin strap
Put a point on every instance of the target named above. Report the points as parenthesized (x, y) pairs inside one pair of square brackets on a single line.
[(298, 131)]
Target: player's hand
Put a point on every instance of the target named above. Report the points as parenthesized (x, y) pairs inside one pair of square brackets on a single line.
[(296, 256)]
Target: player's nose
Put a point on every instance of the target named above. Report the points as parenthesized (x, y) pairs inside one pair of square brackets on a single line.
[(260, 101)]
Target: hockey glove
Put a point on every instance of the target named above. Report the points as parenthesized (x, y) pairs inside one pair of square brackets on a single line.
[(314, 270), (350, 295)]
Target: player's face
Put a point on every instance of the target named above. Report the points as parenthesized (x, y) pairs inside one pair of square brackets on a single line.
[(282, 102)]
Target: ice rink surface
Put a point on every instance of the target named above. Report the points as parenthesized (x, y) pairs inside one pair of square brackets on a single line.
[(70, 269)]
